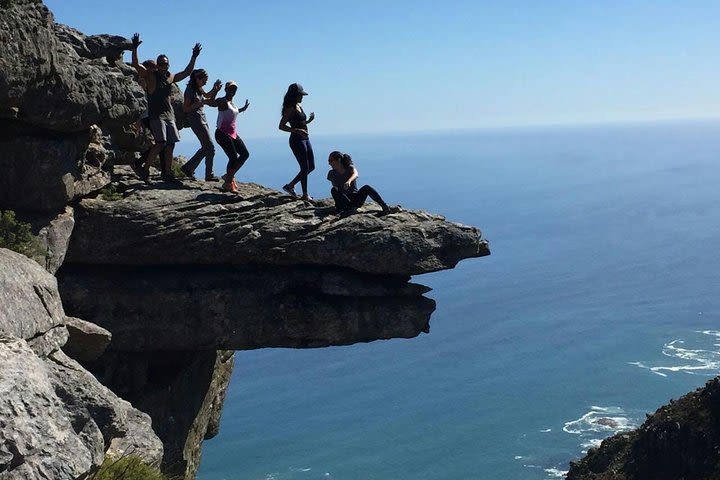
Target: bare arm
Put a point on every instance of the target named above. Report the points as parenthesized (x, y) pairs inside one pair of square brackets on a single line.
[(245, 107), (220, 103), (214, 91), (190, 66), (353, 177), (284, 122), (142, 71), (311, 117)]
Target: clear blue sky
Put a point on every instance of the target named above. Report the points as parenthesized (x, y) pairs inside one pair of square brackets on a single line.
[(402, 65)]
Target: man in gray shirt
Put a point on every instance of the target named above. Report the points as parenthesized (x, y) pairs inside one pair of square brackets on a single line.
[(160, 109)]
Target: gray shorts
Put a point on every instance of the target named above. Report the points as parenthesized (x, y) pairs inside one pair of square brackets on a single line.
[(164, 130)]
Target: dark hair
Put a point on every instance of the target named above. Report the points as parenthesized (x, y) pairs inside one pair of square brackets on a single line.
[(162, 55), (290, 98), (197, 73), (345, 159), (149, 64)]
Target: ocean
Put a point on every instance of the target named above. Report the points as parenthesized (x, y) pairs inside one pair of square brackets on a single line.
[(598, 304)]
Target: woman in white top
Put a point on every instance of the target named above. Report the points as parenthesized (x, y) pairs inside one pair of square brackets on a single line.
[(226, 134)]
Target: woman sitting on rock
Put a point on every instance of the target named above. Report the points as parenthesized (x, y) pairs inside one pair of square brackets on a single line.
[(344, 189), (226, 134)]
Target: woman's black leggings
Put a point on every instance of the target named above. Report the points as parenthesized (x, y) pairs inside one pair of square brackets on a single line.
[(348, 200), (235, 150), (302, 149)]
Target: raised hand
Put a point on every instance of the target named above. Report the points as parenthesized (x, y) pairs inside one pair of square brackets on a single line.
[(196, 50), (312, 117), (247, 104), (136, 41), (217, 85)]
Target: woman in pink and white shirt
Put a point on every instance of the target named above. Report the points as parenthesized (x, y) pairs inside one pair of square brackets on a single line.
[(226, 134)]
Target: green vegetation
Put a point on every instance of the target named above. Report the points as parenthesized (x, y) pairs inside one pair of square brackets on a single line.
[(178, 162), (17, 236), (110, 194), (127, 468)]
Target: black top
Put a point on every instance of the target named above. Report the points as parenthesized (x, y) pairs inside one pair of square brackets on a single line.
[(298, 119), (159, 105), (338, 179)]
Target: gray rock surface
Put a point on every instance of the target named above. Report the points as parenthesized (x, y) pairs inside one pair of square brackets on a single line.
[(43, 174), (183, 391), (56, 79), (86, 341), (56, 420), (29, 300), (37, 437), (199, 225), (193, 308), (54, 236)]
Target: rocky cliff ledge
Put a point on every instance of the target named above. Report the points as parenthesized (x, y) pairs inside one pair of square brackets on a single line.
[(173, 278), (680, 440)]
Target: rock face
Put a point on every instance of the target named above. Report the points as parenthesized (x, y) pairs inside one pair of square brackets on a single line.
[(58, 85), (56, 420), (243, 308), (680, 440), (198, 225)]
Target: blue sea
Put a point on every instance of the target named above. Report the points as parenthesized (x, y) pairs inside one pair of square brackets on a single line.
[(600, 302)]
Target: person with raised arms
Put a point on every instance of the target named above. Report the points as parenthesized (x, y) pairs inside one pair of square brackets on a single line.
[(194, 99), (160, 109), (226, 134)]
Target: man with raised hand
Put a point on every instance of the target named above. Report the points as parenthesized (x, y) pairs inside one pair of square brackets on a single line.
[(160, 109)]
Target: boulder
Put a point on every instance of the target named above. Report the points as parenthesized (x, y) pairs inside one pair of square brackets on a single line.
[(30, 303), (199, 225), (54, 237), (56, 78), (86, 341)]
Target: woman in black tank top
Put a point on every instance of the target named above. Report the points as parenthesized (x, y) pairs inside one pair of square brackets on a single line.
[(293, 114)]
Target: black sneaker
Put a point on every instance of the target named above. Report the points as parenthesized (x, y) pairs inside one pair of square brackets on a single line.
[(139, 170), (190, 175), (211, 178), (390, 209), (290, 190), (169, 178)]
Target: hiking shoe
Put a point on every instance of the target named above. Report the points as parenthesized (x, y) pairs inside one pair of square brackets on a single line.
[(187, 172), (229, 187), (211, 178), (170, 178), (391, 209), (306, 198), (139, 170), (290, 190)]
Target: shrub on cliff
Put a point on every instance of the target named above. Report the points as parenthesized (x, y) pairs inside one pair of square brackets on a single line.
[(127, 468), (17, 236)]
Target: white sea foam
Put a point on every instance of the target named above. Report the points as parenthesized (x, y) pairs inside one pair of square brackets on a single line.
[(606, 420), (547, 430), (555, 473), (519, 457), (697, 356)]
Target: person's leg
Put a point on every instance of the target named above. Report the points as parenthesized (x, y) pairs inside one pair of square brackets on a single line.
[(173, 136), (198, 128), (310, 156), (298, 148), (168, 159), (226, 143), (209, 148), (358, 199), (242, 154), (342, 203)]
